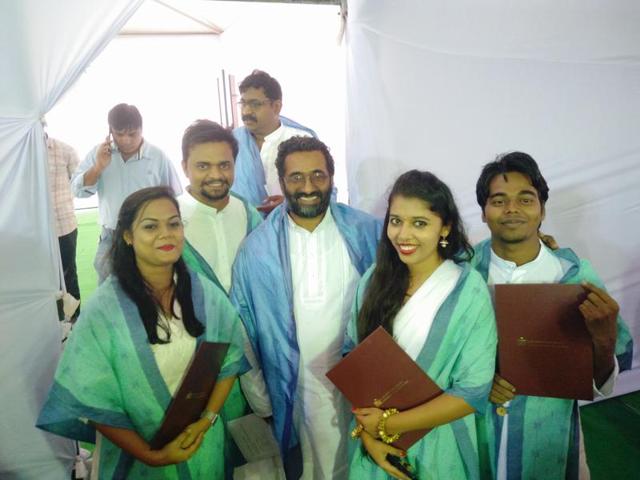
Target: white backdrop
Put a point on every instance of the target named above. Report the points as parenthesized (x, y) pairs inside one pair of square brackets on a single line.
[(44, 47), (445, 86), (431, 85)]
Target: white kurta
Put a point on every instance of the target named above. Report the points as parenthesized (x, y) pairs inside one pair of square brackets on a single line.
[(269, 153), (324, 283), (215, 234), (545, 268)]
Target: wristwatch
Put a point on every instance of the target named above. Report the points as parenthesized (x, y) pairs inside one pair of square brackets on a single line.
[(209, 415)]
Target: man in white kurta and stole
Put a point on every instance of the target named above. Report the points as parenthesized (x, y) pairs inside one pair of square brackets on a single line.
[(293, 284), (263, 131), (528, 437), (216, 220)]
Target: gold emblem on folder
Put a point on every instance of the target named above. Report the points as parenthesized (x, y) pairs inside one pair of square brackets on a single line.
[(524, 342), (195, 395), (378, 402)]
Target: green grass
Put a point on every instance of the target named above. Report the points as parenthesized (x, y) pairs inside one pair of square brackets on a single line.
[(88, 235)]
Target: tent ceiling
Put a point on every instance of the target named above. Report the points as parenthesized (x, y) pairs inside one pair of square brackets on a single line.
[(195, 17)]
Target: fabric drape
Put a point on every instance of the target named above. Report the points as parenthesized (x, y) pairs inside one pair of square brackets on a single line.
[(44, 48), (446, 86)]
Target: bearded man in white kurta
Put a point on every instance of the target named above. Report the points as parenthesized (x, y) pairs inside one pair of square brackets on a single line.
[(293, 284), (216, 220)]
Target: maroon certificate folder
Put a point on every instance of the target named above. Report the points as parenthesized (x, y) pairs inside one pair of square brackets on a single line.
[(193, 394), (378, 373), (544, 348)]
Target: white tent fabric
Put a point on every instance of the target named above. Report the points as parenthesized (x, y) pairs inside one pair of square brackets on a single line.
[(45, 47), (445, 86)]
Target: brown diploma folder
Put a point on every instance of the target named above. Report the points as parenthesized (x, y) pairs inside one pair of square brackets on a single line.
[(544, 348), (378, 373), (193, 394)]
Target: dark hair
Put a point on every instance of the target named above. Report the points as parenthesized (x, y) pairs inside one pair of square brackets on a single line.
[(131, 280), (204, 131), (302, 144), (390, 279), (511, 162), (124, 117), (259, 79)]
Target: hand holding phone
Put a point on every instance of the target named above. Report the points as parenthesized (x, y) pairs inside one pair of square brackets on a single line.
[(103, 154)]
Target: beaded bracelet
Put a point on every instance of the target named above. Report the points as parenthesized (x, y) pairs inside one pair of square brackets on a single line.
[(382, 431)]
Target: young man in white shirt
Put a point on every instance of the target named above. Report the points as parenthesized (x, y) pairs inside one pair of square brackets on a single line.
[(526, 436), (216, 220)]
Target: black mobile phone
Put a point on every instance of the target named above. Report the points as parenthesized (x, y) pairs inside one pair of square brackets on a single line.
[(402, 465)]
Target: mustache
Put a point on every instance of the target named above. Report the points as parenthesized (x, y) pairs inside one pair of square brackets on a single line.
[(300, 195), (211, 182), (249, 117)]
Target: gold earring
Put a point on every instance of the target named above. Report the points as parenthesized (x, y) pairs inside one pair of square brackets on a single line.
[(443, 242)]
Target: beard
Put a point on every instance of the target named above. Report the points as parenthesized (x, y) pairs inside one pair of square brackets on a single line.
[(217, 196), (309, 211)]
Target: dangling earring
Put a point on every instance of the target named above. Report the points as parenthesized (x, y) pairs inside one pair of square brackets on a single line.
[(443, 242)]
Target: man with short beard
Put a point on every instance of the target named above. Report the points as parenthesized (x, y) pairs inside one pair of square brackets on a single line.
[(522, 436), (264, 129), (293, 283), (216, 220)]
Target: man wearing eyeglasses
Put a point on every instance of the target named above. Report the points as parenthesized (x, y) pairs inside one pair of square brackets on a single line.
[(293, 283), (122, 164), (264, 129)]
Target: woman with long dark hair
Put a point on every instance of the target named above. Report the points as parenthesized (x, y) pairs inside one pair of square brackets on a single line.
[(132, 345), (438, 309)]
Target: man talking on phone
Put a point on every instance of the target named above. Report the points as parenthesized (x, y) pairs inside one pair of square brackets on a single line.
[(122, 164)]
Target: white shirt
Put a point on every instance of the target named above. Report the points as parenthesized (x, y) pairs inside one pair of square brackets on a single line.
[(215, 234), (269, 153), (173, 358), (324, 283), (545, 268)]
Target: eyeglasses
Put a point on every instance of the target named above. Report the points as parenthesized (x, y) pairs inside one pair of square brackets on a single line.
[(253, 104), (297, 179)]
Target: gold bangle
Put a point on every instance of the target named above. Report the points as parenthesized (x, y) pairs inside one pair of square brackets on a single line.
[(357, 431), (382, 424)]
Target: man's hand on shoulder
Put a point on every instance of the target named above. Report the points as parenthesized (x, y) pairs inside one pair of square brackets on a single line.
[(269, 203), (548, 240)]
